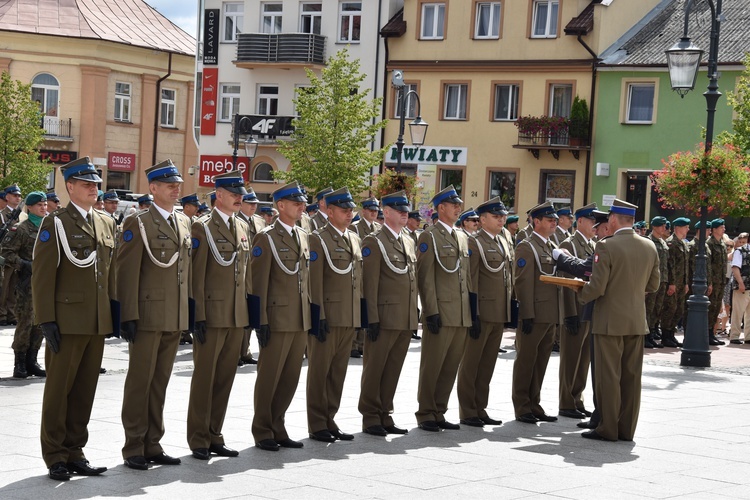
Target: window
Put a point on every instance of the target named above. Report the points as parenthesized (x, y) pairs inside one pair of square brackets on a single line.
[(45, 90), (271, 18), (503, 183), (263, 173), (557, 186), (640, 107), (268, 100), (450, 176), (488, 20), (560, 99), (544, 20), (411, 102), (118, 180), (234, 14), (433, 21), (310, 18), (168, 107), (350, 18), (506, 102), (229, 101), (122, 102), (456, 99)]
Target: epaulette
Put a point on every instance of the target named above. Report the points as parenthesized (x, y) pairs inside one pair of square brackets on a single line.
[(267, 229)]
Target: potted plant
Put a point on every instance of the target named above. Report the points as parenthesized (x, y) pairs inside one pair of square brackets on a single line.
[(579, 122)]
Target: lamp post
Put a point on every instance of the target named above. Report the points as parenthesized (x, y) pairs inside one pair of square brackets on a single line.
[(251, 145), (417, 128), (683, 60)]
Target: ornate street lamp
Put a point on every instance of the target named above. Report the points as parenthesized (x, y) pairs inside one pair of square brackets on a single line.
[(683, 60), (417, 128), (250, 144)]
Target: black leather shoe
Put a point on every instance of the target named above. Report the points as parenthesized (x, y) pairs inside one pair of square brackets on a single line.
[(59, 472), (448, 425), (502, 351), (668, 342), (102, 370), (572, 414), (586, 425), (394, 429), (222, 450), (268, 445), (289, 443), (343, 436), (240, 363), (323, 436), (527, 418), (585, 412), (84, 468), (491, 421), (648, 342), (250, 361), (556, 347), (472, 422), (164, 459), (543, 417), (355, 354), (138, 462), (712, 340), (735, 341), (201, 453), (429, 425), (594, 435), (415, 336), (376, 430)]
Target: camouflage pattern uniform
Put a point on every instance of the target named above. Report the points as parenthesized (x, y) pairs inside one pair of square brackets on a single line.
[(693, 251), (717, 262), (655, 301), (677, 271)]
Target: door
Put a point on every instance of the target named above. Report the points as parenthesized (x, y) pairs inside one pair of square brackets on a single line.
[(637, 194)]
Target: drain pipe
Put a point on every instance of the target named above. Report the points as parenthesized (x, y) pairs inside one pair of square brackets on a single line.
[(594, 64), (156, 110)]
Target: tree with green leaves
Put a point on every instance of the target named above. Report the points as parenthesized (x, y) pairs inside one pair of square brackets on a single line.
[(337, 123), (21, 135), (739, 99)]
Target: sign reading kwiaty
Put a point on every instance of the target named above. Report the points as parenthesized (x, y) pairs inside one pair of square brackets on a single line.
[(266, 126), (208, 101), (211, 166), (121, 162), (211, 36), (430, 155)]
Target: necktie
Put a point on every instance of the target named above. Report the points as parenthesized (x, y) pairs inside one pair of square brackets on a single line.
[(170, 219), (295, 237), (88, 219)]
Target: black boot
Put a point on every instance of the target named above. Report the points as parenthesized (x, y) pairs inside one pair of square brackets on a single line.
[(668, 339), (19, 370), (32, 366), (712, 340), (648, 343), (657, 333), (656, 338)]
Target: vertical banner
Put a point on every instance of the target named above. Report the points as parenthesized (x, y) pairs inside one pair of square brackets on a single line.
[(426, 181), (211, 36), (208, 101)]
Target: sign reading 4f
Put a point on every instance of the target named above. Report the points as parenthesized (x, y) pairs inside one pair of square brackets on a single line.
[(264, 126)]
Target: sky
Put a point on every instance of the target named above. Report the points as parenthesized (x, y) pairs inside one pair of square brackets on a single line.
[(183, 13)]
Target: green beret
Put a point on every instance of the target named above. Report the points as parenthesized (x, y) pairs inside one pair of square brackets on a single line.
[(658, 221), (35, 197), (681, 221), (512, 219), (717, 223)]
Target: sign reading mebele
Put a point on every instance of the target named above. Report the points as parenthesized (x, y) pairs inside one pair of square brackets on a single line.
[(211, 36), (267, 126), (211, 165)]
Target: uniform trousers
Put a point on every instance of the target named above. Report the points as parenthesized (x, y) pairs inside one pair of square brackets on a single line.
[(149, 369), (245, 354), (672, 309), (381, 369), (740, 314), (279, 366), (215, 367), (69, 389), (475, 373), (654, 304), (326, 370), (7, 294), (717, 300), (27, 335), (532, 355), (358, 341), (619, 363), (441, 355), (575, 356)]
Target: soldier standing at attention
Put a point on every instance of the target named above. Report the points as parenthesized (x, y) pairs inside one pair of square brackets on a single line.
[(412, 224), (255, 224), (677, 285), (655, 301), (575, 351), (468, 222), (111, 200), (491, 268), (511, 225), (718, 264), (18, 251), (564, 225), (144, 202), (10, 277), (53, 202), (72, 286), (154, 279), (190, 205), (221, 283), (540, 311), (527, 230), (281, 284), (444, 283), (390, 290), (336, 294), (619, 321), (321, 217), (367, 224)]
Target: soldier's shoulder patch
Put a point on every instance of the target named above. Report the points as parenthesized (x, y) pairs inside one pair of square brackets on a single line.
[(521, 262), (423, 247), (596, 257), (44, 236), (127, 235), (257, 251), (195, 242), (470, 252), (366, 252), (313, 256)]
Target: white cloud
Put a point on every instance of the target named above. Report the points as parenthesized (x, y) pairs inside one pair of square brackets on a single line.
[(183, 14)]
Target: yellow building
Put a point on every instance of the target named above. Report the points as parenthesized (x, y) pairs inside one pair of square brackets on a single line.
[(114, 81), (477, 66)]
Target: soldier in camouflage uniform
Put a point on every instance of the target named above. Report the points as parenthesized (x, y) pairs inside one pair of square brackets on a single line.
[(677, 287), (655, 301), (18, 251), (693, 251), (718, 265)]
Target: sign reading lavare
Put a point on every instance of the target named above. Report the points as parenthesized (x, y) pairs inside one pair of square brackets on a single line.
[(432, 155)]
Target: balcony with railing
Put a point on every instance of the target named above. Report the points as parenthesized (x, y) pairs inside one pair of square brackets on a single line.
[(57, 129), (551, 133), (281, 50)]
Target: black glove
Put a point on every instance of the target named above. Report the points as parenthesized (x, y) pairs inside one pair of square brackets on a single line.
[(322, 330), (127, 329), (264, 335), (571, 323), (200, 331), (433, 323), (25, 267), (52, 334), (476, 329), (373, 330), (527, 325)]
